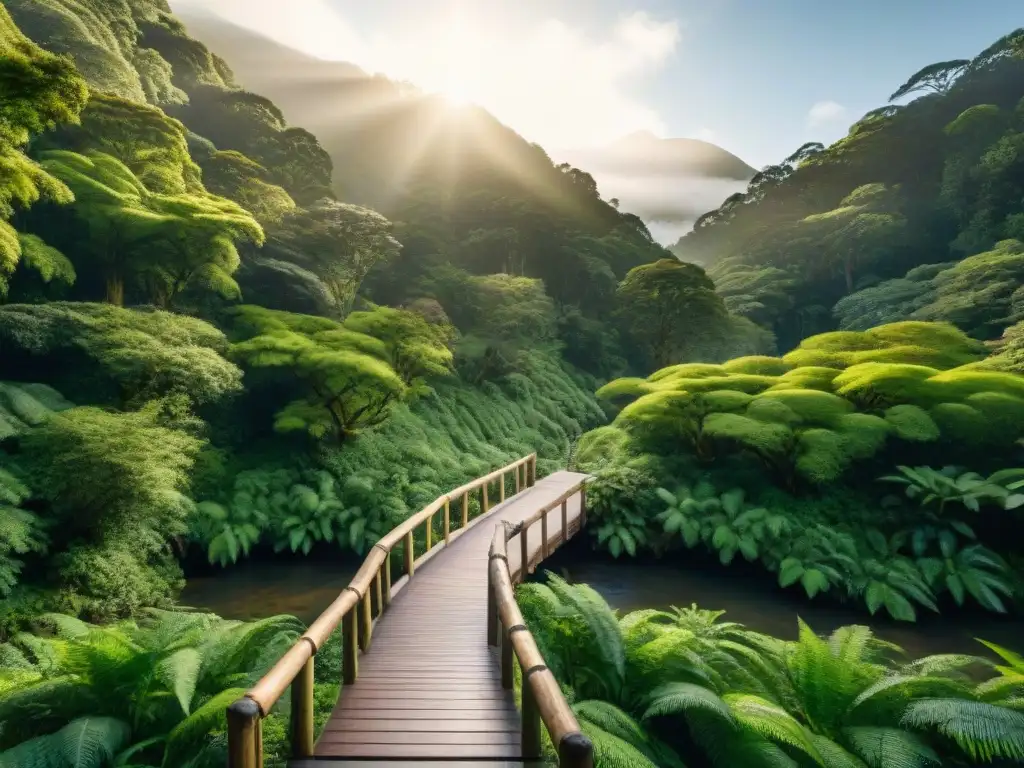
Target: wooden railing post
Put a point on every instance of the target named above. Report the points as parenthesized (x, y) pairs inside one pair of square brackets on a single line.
[(379, 590), (544, 536), (302, 712), (519, 483), (387, 581), (365, 622), (501, 490), (447, 520), (245, 749), (430, 532), (531, 721), (524, 554), (531, 472), (465, 509), (350, 642), (492, 610), (583, 506), (565, 521), (575, 751), (410, 554), (485, 503)]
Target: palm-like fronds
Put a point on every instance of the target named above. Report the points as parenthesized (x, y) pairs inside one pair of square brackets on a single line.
[(889, 748), (617, 723), (770, 721), (89, 742), (984, 731), (191, 731), (680, 698), (604, 633)]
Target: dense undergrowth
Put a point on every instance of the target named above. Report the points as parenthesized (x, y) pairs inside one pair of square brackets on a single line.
[(834, 466), (668, 688)]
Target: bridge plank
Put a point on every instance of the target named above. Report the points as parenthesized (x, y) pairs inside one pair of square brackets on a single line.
[(429, 688)]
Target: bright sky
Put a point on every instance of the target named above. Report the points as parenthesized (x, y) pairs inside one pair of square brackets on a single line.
[(758, 77)]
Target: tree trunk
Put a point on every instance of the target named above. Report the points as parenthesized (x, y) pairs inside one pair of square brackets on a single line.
[(115, 290)]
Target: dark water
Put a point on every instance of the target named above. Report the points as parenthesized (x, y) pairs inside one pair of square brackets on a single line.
[(752, 597), (253, 589), (304, 587)]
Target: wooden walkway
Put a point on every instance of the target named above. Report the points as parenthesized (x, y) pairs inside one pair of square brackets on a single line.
[(429, 687)]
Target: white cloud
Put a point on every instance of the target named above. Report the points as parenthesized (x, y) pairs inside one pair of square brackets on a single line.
[(551, 81), (825, 112), (707, 134)]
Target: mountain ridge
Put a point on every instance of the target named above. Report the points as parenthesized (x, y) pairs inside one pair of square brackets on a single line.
[(673, 180)]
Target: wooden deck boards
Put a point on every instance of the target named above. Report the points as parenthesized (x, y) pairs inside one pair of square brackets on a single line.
[(429, 688)]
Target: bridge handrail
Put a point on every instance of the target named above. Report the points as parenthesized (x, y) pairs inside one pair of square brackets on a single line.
[(295, 667), (542, 699)]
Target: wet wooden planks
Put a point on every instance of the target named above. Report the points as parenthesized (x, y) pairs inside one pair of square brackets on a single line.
[(429, 688)]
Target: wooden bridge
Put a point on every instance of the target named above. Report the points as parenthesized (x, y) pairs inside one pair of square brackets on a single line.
[(422, 681)]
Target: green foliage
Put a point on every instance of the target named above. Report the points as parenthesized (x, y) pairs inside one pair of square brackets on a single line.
[(21, 531), (100, 36), (722, 522), (846, 231), (836, 401), (672, 310), (459, 432), (978, 294), (251, 124), (747, 699), (163, 243), (337, 242), (130, 355), (351, 378), (617, 499), (500, 317), (151, 691), (949, 484), (23, 406), (37, 92)]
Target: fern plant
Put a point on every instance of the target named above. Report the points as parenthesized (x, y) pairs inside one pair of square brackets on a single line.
[(1006, 689), (149, 692), (21, 531)]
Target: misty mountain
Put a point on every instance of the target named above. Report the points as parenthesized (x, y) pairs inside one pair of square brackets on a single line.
[(379, 131), (669, 183)]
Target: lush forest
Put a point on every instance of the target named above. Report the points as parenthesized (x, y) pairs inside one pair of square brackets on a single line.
[(208, 353)]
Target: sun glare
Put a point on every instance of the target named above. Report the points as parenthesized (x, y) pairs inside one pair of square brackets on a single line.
[(456, 92)]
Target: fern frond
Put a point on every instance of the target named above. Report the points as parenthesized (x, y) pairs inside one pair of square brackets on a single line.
[(192, 731), (89, 742), (890, 748), (772, 722), (679, 698), (180, 673), (984, 731)]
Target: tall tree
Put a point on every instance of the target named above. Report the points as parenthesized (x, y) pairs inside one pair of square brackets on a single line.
[(166, 241), (339, 243), (37, 92), (671, 309)]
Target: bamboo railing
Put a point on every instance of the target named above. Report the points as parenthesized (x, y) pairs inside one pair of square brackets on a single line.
[(367, 596), (542, 699)]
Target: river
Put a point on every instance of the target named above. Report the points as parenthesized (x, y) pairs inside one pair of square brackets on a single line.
[(305, 586)]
